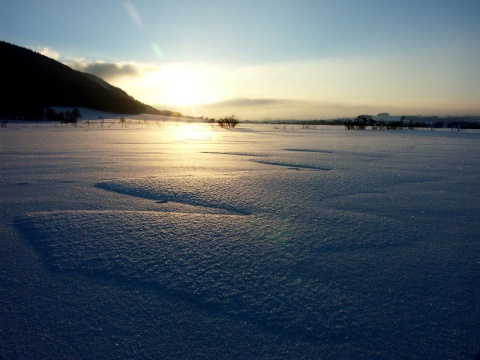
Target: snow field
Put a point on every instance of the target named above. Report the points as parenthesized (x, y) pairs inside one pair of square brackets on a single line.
[(355, 243)]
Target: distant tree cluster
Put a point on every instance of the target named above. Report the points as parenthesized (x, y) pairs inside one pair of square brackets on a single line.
[(390, 125), (458, 125), (39, 113), (361, 122), (67, 116), (228, 122)]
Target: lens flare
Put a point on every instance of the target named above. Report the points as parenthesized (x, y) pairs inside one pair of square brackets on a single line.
[(157, 50), (133, 13)]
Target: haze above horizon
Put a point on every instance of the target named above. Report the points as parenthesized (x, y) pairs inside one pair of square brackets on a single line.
[(279, 59)]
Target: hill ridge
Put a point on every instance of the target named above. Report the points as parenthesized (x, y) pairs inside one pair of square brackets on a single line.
[(34, 81)]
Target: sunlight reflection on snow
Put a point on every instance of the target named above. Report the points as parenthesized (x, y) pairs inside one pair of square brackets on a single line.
[(191, 132)]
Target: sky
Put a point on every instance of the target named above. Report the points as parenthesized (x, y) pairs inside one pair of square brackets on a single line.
[(266, 59)]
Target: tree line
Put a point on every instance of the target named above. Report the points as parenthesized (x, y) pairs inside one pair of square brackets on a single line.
[(40, 113), (361, 122), (67, 116)]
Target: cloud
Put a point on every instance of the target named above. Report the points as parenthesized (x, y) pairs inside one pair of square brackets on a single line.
[(421, 81), (283, 109), (50, 53), (246, 102), (315, 89), (107, 71), (288, 109)]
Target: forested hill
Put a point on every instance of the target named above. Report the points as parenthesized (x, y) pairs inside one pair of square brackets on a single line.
[(31, 81)]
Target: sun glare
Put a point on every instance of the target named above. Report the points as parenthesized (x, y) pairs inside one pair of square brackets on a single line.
[(187, 86)]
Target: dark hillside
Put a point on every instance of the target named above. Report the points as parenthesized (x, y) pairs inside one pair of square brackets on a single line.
[(31, 81)]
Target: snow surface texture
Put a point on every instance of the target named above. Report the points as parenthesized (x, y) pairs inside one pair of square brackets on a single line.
[(257, 242)]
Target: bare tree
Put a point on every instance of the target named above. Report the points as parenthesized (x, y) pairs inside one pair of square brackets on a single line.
[(228, 122)]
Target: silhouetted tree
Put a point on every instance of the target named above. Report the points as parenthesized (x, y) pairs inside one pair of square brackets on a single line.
[(75, 114), (71, 116), (229, 122), (364, 120), (361, 122)]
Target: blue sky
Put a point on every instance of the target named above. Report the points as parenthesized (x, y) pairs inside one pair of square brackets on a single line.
[(266, 59)]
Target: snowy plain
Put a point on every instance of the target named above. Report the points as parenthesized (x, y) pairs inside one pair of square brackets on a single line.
[(152, 239)]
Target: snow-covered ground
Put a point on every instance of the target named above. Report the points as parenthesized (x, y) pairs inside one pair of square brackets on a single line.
[(161, 240)]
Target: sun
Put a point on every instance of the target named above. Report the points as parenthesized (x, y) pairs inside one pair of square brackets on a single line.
[(185, 86), (178, 87)]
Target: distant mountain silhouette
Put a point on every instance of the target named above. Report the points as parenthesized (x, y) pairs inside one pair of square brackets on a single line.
[(31, 81)]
